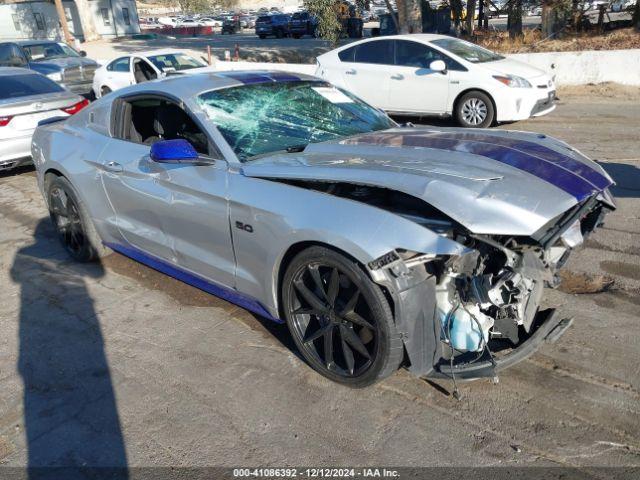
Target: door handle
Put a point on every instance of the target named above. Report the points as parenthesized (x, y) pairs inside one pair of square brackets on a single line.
[(397, 76), (114, 167), (350, 72)]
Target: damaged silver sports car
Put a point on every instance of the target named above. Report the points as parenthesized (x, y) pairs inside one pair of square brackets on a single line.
[(379, 245)]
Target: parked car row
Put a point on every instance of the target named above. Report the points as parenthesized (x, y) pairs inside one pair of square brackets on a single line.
[(282, 25), (419, 75)]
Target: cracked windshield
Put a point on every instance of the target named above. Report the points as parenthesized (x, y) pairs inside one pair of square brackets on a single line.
[(270, 117)]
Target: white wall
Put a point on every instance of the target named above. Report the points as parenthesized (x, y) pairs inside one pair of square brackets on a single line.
[(592, 66), (28, 27), (116, 26), (26, 23), (568, 68)]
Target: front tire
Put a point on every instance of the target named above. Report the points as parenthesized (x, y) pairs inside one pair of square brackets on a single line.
[(339, 318), (475, 110), (72, 222)]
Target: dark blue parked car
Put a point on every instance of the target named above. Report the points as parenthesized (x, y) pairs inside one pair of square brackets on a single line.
[(56, 60), (276, 25), (303, 23)]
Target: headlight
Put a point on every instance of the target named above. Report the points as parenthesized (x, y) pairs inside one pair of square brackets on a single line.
[(55, 76), (513, 81)]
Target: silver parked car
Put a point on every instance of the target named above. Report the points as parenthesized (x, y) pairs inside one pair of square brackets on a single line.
[(27, 98), (379, 245)]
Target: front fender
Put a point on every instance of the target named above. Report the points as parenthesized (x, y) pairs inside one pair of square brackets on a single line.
[(282, 215)]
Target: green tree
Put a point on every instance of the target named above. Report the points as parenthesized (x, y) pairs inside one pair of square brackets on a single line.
[(327, 15), (515, 18)]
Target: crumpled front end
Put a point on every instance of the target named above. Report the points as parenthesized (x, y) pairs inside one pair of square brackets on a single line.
[(472, 315)]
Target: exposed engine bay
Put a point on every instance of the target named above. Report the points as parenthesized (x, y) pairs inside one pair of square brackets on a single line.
[(476, 306)]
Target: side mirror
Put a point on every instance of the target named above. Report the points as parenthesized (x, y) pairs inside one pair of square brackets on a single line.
[(438, 66), (177, 151), (82, 53)]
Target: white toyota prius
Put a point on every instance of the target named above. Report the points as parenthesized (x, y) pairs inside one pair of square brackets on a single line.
[(428, 74)]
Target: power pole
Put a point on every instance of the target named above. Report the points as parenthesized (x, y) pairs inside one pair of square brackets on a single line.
[(63, 22)]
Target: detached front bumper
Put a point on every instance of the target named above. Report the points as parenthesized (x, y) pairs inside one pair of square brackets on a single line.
[(550, 327)]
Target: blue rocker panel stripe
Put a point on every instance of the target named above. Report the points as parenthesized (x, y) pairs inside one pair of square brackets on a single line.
[(228, 294)]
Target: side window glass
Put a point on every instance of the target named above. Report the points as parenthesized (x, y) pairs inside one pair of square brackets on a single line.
[(148, 120), (377, 52), (119, 65), (347, 55), (414, 54), (143, 71), (11, 56)]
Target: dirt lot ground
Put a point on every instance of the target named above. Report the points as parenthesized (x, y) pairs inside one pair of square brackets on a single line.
[(115, 364)]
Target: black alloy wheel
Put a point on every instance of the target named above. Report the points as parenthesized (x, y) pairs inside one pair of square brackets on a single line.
[(339, 319), (72, 223), (66, 219)]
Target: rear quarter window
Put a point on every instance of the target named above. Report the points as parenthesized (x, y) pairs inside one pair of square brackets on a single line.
[(347, 55), (15, 86)]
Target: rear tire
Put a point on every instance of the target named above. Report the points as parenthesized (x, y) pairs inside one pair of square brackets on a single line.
[(72, 222), (339, 319), (475, 110), (105, 91)]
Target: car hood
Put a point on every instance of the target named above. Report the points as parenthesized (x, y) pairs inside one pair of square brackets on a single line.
[(64, 62), (508, 66), (493, 182)]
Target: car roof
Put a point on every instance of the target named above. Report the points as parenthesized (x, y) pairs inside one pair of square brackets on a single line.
[(188, 86), (160, 51), (6, 71), (32, 42), (420, 37)]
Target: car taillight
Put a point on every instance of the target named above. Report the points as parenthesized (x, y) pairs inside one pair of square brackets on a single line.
[(4, 121), (76, 107)]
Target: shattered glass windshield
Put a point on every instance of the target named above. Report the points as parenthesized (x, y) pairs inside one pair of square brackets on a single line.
[(269, 117)]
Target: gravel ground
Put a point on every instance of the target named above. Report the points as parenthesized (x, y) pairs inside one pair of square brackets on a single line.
[(114, 364)]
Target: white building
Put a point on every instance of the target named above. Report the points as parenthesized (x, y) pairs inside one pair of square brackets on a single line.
[(38, 19)]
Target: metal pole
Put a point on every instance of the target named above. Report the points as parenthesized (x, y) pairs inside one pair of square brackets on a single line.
[(63, 22)]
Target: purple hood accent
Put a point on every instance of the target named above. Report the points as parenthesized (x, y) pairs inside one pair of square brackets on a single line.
[(563, 171)]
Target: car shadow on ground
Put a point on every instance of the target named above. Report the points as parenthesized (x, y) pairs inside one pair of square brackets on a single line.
[(627, 178), (70, 414)]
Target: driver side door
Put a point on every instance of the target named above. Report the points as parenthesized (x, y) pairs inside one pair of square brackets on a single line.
[(413, 86), (175, 213)]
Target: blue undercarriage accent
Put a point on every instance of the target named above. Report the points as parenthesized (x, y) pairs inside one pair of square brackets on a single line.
[(228, 294)]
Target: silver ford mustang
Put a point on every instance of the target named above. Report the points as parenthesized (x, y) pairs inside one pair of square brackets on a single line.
[(379, 245)]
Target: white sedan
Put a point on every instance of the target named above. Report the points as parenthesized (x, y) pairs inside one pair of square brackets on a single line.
[(428, 74), (144, 66)]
